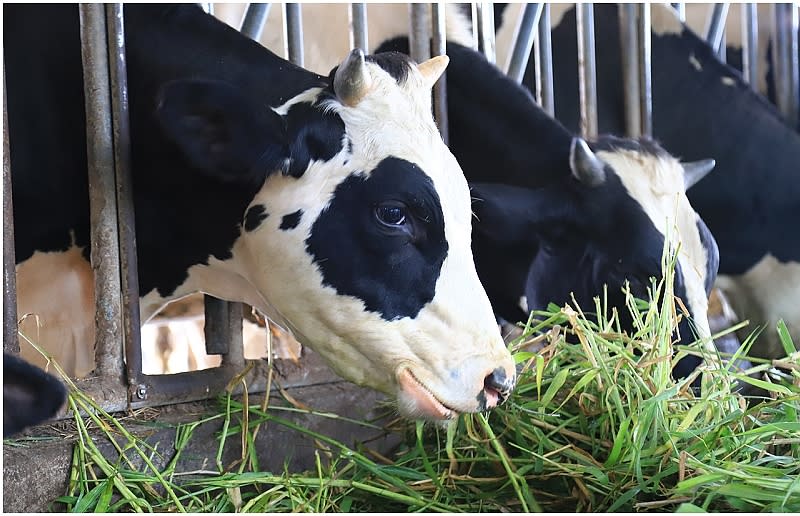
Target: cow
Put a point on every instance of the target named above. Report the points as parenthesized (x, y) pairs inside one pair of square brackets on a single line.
[(500, 136), (329, 203), (702, 108), (30, 395)]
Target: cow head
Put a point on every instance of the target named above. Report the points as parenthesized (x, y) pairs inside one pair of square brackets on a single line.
[(606, 223), (30, 395), (358, 238)]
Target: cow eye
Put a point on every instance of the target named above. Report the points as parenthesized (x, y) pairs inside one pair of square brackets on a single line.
[(391, 214)]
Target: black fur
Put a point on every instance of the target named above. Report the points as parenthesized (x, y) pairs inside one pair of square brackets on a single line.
[(393, 272), (30, 395), (255, 216), (291, 220)]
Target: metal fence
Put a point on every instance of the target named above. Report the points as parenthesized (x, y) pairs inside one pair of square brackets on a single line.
[(118, 382)]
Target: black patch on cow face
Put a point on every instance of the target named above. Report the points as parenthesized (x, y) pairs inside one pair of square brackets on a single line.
[(382, 239), (291, 220), (394, 63), (314, 135), (254, 217)]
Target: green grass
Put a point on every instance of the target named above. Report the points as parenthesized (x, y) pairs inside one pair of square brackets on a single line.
[(596, 423)]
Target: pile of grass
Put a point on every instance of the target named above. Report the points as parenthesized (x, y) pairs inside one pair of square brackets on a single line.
[(596, 423)]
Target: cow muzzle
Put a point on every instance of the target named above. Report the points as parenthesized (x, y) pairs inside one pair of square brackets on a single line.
[(468, 389)]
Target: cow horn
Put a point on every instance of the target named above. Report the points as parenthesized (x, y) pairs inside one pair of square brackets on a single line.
[(586, 166), (352, 80), (694, 171), (432, 69)]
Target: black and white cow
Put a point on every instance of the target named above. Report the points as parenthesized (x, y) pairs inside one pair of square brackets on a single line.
[(702, 108), (329, 203), (616, 203), (30, 395)]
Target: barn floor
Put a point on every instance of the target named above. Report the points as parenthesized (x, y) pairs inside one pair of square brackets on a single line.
[(42, 467)]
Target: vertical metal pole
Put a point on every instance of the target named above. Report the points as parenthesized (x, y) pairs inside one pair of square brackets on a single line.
[(523, 42), (293, 17), (716, 26), (208, 7), (750, 43), (586, 70), (255, 16), (645, 75), (359, 36), (629, 45), (475, 31), (223, 330), (420, 33), (10, 339), (485, 23), (102, 191), (681, 8), (440, 88), (786, 51), (131, 323), (545, 94)]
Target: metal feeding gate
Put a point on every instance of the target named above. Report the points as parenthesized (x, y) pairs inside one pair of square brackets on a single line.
[(118, 382)]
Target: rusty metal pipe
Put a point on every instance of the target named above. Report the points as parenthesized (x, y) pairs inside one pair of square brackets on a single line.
[(131, 322), (10, 338), (523, 42), (102, 192)]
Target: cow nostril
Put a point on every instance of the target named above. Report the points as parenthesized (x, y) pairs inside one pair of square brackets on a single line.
[(495, 383)]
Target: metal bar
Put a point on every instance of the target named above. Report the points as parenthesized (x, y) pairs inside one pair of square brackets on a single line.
[(223, 330), (545, 94), (359, 35), (10, 338), (629, 45), (716, 26), (750, 43), (293, 17), (486, 36), (129, 279), (208, 7), (681, 8), (420, 32), (645, 71), (475, 38), (255, 16), (523, 41), (586, 70), (102, 192), (440, 88), (786, 76)]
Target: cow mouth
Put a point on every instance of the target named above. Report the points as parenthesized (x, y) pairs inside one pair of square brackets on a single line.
[(425, 401)]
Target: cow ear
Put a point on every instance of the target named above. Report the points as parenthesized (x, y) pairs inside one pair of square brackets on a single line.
[(30, 395), (511, 214), (220, 132)]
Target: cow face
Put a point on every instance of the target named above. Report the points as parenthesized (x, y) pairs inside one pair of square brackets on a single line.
[(361, 244), (30, 395), (606, 224)]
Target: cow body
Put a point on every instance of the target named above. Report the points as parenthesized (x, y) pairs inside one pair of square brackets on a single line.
[(702, 108), (328, 203)]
